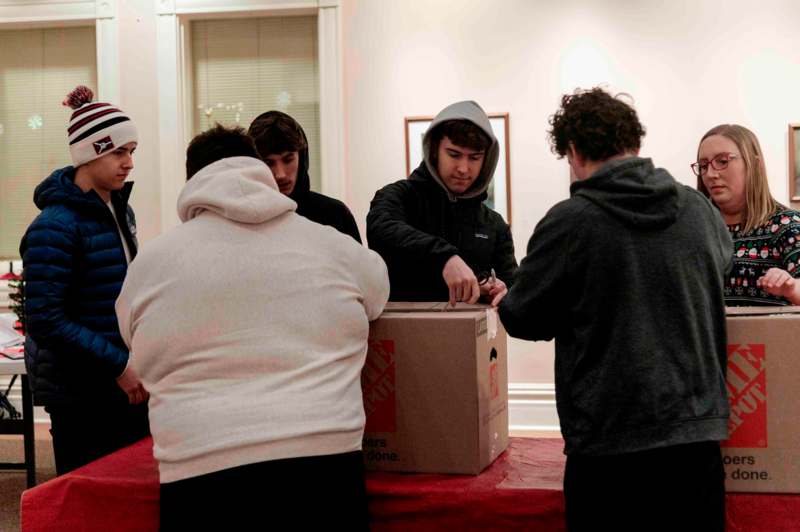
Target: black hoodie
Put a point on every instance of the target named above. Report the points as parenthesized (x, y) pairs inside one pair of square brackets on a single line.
[(627, 275), (417, 224), (318, 207)]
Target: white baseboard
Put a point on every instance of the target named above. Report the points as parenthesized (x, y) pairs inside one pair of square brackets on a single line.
[(532, 407)]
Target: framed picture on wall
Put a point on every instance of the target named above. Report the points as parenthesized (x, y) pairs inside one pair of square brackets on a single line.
[(794, 162), (500, 189)]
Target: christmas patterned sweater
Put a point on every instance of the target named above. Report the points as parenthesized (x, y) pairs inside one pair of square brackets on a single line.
[(776, 244)]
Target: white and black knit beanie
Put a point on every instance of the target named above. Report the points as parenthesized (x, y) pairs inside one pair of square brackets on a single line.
[(95, 128)]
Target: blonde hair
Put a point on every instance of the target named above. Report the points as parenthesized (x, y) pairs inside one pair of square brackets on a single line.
[(759, 203)]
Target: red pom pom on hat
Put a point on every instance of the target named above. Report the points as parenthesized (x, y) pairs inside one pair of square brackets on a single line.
[(79, 96)]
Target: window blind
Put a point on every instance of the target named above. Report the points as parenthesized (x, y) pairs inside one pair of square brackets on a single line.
[(244, 67), (38, 67)]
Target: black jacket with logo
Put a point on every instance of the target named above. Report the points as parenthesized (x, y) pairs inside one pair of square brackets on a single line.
[(417, 224), (416, 227)]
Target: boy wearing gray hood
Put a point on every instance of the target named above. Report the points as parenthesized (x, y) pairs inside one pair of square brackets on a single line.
[(627, 276), (438, 239)]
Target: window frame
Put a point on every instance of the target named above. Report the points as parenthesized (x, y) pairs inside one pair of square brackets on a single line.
[(102, 14), (175, 101)]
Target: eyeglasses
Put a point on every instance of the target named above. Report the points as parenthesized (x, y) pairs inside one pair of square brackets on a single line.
[(719, 162)]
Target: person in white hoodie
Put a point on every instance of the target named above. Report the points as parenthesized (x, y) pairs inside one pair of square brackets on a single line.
[(248, 324)]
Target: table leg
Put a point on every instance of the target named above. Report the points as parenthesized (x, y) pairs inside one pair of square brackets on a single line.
[(28, 435)]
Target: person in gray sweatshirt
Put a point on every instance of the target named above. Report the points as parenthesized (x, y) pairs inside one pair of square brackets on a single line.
[(627, 276)]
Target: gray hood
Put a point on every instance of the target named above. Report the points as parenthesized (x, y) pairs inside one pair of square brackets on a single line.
[(633, 191), (471, 111)]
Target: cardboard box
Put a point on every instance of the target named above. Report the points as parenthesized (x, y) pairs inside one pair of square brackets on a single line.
[(762, 453), (435, 389)]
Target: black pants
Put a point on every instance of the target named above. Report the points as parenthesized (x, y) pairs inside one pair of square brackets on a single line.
[(84, 434), (310, 493), (678, 488)]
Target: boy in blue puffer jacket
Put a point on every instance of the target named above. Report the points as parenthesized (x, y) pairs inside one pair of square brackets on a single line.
[(76, 254)]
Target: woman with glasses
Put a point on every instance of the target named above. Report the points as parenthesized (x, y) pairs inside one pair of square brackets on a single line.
[(731, 172)]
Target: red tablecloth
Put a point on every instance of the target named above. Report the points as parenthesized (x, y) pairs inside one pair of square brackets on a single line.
[(520, 491)]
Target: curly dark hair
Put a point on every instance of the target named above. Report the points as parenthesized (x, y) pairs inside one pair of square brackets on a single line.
[(596, 123)]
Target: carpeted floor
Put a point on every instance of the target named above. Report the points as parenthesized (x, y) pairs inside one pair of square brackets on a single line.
[(12, 483)]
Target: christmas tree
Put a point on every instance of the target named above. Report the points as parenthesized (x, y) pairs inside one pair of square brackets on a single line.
[(16, 284), (17, 297)]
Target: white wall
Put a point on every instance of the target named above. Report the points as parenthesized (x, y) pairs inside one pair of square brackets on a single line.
[(688, 66), (139, 98)]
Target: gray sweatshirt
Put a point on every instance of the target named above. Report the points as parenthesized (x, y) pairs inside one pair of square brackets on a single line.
[(627, 276)]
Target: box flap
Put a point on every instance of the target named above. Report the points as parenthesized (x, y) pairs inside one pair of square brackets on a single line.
[(761, 311), (431, 306)]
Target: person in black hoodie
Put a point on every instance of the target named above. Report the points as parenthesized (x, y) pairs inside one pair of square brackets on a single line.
[(282, 144), (76, 255), (627, 276), (439, 241)]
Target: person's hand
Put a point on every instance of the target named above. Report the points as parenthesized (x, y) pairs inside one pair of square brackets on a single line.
[(779, 283), (132, 386), (461, 281), (494, 291)]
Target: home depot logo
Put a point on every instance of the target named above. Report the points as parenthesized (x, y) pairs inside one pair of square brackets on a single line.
[(747, 392), (378, 386)]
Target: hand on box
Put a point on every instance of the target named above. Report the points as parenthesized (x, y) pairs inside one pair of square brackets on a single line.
[(132, 386), (461, 281), (779, 283), (494, 291)]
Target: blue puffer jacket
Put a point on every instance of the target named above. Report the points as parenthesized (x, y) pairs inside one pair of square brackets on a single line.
[(74, 268)]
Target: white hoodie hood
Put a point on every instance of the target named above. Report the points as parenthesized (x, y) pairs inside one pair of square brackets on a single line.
[(241, 189)]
